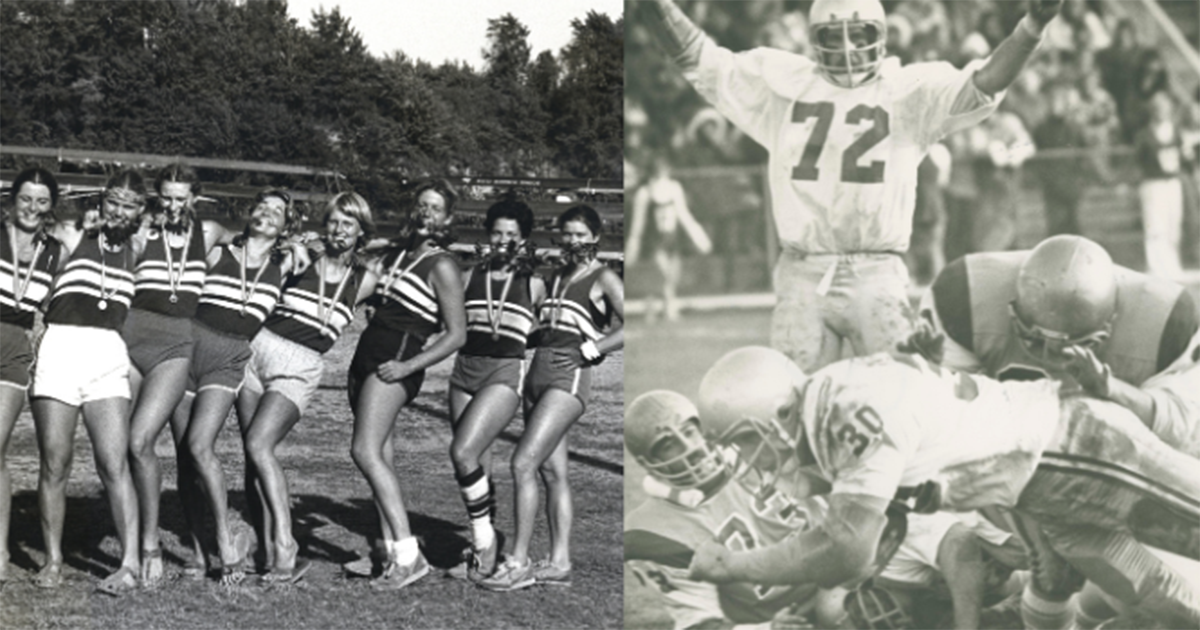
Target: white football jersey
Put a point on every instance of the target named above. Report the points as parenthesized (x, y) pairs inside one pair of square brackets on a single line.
[(881, 422), (843, 161)]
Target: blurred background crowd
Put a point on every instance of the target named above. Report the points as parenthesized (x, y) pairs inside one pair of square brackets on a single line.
[(1099, 136)]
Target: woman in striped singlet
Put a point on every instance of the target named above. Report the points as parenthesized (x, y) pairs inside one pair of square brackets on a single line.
[(485, 387), (419, 291), (168, 280), (29, 258), (87, 309), (285, 369), (241, 289), (585, 297)]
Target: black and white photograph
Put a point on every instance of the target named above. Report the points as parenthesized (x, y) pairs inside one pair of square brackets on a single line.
[(913, 326), (312, 314)]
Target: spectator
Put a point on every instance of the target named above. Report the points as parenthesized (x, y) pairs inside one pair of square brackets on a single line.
[(1149, 78), (1160, 192), (999, 174), (1117, 63), (899, 37), (1189, 133), (1064, 177), (961, 196), (931, 27), (989, 32), (1074, 20), (1102, 128)]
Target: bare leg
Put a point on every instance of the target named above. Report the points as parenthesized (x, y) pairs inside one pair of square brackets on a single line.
[(55, 423), (479, 423), (961, 560), (275, 418), (208, 418), (374, 419), (11, 401), (256, 502), (559, 510), (106, 425), (161, 391), (190, 494), (545, 427)]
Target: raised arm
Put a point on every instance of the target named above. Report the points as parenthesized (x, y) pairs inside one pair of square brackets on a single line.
[(1002, 68), (679, 37), (690, 225)]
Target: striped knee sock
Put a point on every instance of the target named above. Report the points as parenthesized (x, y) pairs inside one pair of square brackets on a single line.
[(476, 491)]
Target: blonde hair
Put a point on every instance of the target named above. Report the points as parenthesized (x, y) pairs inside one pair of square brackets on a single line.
[(353, 205)]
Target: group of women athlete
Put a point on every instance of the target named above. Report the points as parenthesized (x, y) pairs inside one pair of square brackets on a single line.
[(152, 316)]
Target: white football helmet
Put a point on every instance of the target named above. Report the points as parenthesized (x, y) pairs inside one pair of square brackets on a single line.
[(849, 40), (749, 400), (662, 432)]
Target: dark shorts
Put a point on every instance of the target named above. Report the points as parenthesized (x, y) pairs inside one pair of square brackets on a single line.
[(16, 355), (218, 360), (473, 373), (376, 346), (153, 339), (558, 368)]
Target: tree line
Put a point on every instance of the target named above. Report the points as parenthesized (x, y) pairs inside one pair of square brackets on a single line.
[(244, 81)]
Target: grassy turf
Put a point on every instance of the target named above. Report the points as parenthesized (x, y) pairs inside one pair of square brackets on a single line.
[(334, 520), (676, 356)]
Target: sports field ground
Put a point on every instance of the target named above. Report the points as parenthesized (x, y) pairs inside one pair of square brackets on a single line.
[(676, 356), (334, 520)]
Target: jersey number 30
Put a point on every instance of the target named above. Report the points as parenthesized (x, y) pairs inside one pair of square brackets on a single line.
[(852, 171)]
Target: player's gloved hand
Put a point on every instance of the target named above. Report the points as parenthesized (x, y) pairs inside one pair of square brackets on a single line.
[(394, 371), (708, 563), (1042, 11), (1089, 371), (791, 618), (925, 340)]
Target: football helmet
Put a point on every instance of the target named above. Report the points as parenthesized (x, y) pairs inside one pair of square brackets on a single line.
[(662, 433), (1066, 296), (877, 608), (849, 40), (749, 400)]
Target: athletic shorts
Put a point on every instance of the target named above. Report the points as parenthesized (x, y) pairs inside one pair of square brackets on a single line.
[(218, 360), (473, 373), (558, 368), (16, 355), (78, 364), (378, 345), (153, 338), (283, 366)]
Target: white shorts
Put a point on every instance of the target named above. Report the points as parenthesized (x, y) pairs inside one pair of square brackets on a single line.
[(283, 366), (78, 364)]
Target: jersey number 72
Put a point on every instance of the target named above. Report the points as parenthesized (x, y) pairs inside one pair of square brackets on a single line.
[(852, 172)]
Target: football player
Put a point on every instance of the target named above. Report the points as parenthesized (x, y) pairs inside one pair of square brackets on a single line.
[(694, 497), (886, 426), (1064, 310), (845, 131)]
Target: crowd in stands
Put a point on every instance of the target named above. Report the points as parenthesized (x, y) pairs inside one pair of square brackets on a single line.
[(1095, 87)]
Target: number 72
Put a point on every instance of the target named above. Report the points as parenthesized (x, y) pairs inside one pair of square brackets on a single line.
[(852, 172)]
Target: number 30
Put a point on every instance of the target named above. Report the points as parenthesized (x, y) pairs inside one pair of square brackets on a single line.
[(852, 172)]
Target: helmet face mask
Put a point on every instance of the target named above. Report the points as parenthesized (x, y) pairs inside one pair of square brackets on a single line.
[(1047, 346), (663, 433), (849, 40), (682, 457)]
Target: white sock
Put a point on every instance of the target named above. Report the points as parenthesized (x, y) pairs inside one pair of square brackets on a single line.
[(483, 533), (406, 551)]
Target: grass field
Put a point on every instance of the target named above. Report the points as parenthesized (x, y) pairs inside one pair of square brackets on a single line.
[(334, 520), (675, 356)]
